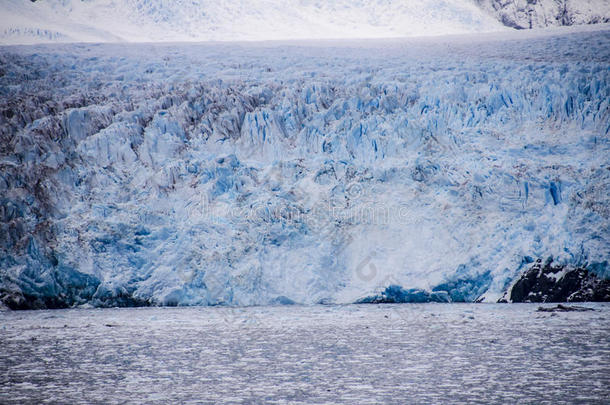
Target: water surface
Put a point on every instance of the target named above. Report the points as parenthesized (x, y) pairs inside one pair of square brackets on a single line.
[(428, 353)]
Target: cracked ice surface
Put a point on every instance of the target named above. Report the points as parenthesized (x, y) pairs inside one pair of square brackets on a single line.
[(300, 171)]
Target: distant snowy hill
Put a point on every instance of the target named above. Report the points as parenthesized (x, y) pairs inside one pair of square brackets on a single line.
[(22, 21)]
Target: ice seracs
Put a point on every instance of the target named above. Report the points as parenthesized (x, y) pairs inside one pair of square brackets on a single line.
[(302, 172)]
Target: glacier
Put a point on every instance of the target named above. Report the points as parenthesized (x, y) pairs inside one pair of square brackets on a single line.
[(301, 171)]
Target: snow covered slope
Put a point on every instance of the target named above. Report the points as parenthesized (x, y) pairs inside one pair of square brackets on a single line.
[(525, 14), (300, 172), (22, 21)]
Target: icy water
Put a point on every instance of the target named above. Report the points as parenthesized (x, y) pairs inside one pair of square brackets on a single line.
[(356, 354)]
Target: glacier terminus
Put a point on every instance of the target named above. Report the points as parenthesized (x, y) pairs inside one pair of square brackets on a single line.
[(301, 172)]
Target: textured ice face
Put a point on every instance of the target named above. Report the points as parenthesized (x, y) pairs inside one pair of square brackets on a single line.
[(230, 174)]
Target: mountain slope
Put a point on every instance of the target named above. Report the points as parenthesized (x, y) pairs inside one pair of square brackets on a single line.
[(22, 21)]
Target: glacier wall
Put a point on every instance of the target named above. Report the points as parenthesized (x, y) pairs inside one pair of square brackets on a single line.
[(300, 172)]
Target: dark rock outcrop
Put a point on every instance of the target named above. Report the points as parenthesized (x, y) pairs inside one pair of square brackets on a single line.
[(548, 283)]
